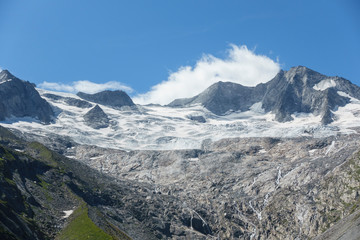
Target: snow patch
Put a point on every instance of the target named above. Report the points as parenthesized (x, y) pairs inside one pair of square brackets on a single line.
[(324, 84), (8, 80), (257, 107), (330, 148), (67, 213)]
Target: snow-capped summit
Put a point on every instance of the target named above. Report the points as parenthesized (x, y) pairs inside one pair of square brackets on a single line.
[(298, 102), (299, 90)]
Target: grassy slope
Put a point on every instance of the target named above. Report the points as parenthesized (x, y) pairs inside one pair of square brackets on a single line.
[(81, 227)]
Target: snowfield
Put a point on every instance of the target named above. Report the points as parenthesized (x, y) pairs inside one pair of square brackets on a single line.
[(165, 128)]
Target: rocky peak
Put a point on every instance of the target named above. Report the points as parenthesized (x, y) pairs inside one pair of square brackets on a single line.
[(19, 98), (304, 75), (5, 75), (299, 90), (96, 118), (222, 97), (115, 99)]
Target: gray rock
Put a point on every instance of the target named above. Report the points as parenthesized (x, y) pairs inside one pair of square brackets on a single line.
[(96, 118), (222, 97), (199, 119), (19, 98), (246, 188), (298, 90), (78, 103), (69, 100), (115, 99), (293, 92), (346, 229)]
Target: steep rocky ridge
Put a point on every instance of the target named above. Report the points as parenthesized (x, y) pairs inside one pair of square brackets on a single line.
[(115, 99), (20, 99), (299, 90)]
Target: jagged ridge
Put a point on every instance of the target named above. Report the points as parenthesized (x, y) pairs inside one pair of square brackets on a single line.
[(289, 92), (20, 99)]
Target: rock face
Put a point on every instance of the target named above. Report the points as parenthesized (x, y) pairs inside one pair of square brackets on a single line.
[(45, 196), (20, 99), (96, 118), (115, 99), (222, 97), (251, 188), (301, 187), (299, 90), (69, 100), (303, 90), (199, 119)]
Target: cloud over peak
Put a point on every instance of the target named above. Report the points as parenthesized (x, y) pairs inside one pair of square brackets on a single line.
[(85, 86), (241, 66)]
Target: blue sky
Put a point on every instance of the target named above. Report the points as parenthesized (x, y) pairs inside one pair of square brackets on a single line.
[(139, 44)]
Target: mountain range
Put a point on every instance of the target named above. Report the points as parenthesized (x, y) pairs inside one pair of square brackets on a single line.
[(280, 160), (299, 90)]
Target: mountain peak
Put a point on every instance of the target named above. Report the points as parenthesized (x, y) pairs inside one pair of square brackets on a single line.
[(5, 75), (298, 90), (300, 71), (19, 98), (116, 98), (96, 118)]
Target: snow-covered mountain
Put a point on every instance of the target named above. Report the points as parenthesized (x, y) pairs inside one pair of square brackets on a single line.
[(295, 103), (277, 161), (299, 90)]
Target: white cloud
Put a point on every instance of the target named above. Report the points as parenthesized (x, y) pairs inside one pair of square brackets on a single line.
[(241, 66), (85, 86)]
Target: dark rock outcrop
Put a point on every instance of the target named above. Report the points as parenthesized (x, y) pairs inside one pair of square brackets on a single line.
[(96, 118), (115, 99), (199, 119), (19, 98), (299, 90)]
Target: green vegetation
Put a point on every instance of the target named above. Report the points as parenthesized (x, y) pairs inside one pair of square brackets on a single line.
[(6, 155), (42, 183), (45, 187), (6, 135), (9, 181), (81, 227), (44, 154), (2, 163)]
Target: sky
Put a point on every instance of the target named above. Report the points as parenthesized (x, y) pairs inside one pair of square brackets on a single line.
[(160, 50)]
